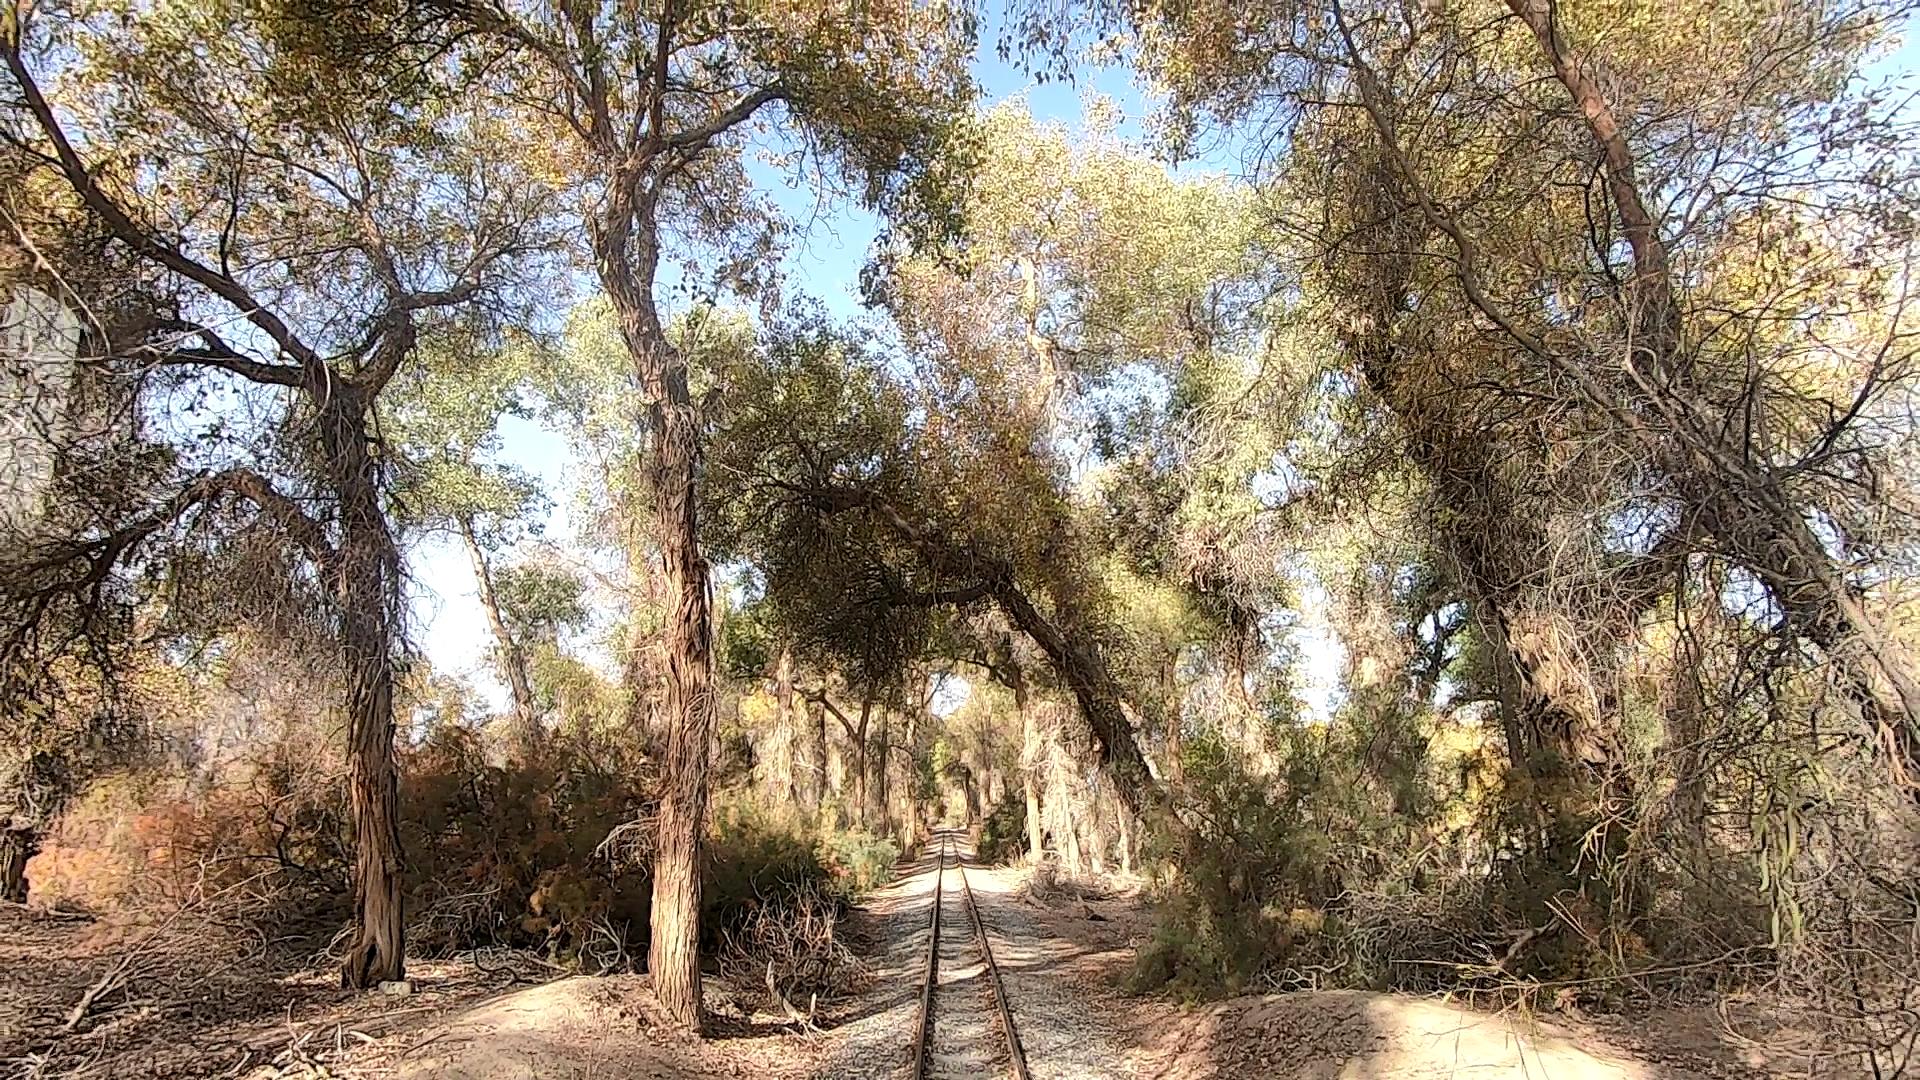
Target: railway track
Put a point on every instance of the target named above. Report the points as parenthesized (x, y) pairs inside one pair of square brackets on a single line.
[(965, 1027)]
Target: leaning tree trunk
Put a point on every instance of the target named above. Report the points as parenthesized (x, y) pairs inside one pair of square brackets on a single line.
[(1740, 498), (367, 572), (1559, 735), (1085, 674), (513, 659), (814, 728)]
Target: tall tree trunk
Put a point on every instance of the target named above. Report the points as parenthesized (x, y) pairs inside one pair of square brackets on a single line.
[(368, 577), (789, 727), (626, 243), (862, 764), (883, 821), (1070, 828), (1029, 767), (17, 845), (513, 659), (815, 730), (1170, 690), (908, 822), (674, 958)]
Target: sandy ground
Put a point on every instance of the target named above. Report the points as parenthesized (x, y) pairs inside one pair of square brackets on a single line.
[(196, 1009), (192, 1008)]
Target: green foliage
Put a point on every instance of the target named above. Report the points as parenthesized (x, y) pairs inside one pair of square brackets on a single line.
[(1003, 837), (443, 413), (757, 855), (1265, 883), (815, 409), (861, 861), (746, 645), (540, 601)]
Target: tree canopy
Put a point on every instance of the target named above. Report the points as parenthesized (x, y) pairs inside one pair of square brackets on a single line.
[(1429, 487)]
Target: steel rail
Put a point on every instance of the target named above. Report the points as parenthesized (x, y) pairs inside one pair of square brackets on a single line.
[(932, 974), (1016, 1055)]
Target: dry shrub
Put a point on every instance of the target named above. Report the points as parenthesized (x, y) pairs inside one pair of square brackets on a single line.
[(1385, 853), (507, 852), (267, 843), (504, 851), (500, 852), (789, 944), (775, 892)]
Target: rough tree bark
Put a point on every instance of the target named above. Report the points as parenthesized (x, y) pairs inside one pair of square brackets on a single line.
[(369, 568), (789, 727), (882, 820), (362, 569), (1029, 766), (862, 761), (17, 846), (627, 252), (816, 733)]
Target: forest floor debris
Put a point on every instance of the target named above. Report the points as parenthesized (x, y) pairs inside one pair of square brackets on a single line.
[(189, 1008)]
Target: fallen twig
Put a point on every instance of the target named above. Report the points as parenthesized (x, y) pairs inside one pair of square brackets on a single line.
[(114, 978)]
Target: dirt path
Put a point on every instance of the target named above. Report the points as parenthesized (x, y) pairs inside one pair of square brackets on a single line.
[(1061, 988), (870, 1039)]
